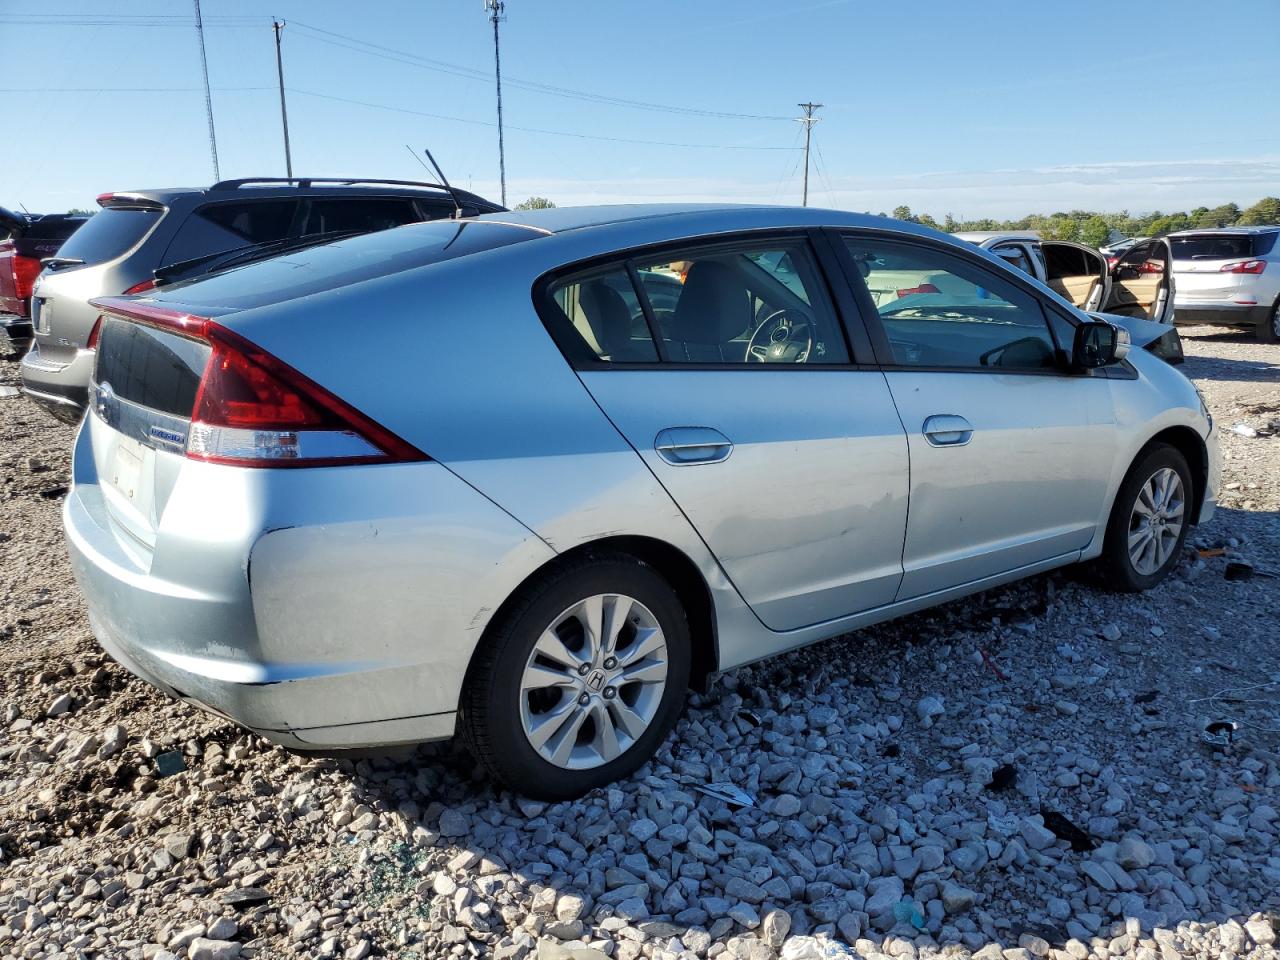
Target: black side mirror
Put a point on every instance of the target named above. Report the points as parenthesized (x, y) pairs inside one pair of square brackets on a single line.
[(1098, 344)]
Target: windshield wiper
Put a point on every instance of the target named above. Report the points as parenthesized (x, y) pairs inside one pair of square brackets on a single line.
[(223, 259)]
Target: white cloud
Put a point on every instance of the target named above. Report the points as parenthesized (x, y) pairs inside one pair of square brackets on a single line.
[(1137, 186)]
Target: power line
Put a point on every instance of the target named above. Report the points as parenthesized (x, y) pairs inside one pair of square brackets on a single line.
[(458, 70), (554, 133), (808, 120)]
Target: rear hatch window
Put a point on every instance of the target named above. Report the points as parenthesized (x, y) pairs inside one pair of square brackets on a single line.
[(345, 262), (111, 232), (152, 368), (1222, 246)]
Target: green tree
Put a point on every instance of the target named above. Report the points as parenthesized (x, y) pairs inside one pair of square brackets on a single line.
[(535, 203), (927, 221), (1095, 231), (80, 212), (1062, 228), (1265, 212), (903, 213)]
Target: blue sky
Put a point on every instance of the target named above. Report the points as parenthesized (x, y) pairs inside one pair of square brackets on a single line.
[(994, 109)]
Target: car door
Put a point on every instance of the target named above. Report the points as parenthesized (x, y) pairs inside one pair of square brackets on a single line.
[(786, 456), (1142, 282), (1010, 454), (1076, 273)]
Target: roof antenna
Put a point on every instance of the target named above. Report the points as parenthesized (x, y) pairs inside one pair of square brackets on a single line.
[(444, 182)]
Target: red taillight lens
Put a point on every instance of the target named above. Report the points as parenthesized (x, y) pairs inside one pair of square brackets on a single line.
[(253, 410), (1245, 266), (105, 198), (25, 271), (141, 287), (1151, 268), (923, 288), (94, 334)]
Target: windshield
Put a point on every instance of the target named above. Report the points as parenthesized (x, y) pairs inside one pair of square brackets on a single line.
[(1221, 246), (109, 233)]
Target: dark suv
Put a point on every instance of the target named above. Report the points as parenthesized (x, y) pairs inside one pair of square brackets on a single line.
[(139, 232)]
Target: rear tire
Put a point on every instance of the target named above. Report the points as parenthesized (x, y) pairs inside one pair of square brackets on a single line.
[(1149, 521), (1268, 330), (552, 708)]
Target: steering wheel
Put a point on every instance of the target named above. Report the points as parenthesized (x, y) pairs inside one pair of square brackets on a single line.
[(784, 336)]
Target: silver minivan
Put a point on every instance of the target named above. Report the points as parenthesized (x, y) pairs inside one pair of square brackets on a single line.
[(579, 458)]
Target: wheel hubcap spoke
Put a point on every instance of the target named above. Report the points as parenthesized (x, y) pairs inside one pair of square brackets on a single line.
[(593, 682), (1155, 523)]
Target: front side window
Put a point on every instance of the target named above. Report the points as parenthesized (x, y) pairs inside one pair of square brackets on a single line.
[(219, 227), (940, 310), (715, 304)]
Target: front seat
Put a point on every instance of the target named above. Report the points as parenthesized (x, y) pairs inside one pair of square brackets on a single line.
[(714, 308), (610, 323)]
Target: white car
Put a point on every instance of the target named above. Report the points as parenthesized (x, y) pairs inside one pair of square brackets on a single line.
[(1229, 276), (1140, 285)]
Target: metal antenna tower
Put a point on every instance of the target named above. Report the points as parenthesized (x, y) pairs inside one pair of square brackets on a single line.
[(496, 10), (808, 120), (208, 99)]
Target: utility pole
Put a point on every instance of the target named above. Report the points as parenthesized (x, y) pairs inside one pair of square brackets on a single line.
[(496, 10), (208, 99), (808, 120), (278, 25)]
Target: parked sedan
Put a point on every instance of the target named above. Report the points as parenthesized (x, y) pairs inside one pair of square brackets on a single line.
[(508, 510)]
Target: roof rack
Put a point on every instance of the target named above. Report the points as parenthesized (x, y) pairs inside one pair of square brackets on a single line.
[(305, 182)]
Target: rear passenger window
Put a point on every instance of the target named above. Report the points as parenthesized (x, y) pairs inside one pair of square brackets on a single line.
[(939, 310), (219, 227), (606, 313), (749, 303), (362, 214)]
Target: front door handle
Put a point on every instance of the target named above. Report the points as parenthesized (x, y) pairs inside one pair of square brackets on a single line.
[(947, 430), (686, 446)]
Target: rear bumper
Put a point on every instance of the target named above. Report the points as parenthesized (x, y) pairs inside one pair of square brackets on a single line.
[(325, 608), (61, 388), (1218, 314)]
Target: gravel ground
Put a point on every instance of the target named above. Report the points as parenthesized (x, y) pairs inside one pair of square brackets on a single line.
[(915, 784)]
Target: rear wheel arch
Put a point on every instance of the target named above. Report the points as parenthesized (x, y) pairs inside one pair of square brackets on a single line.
[(671, 563)]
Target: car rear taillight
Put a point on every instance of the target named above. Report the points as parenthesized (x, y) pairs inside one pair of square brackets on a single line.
[(253, 410), (923, 288), (1245, 266), (25, 271), (141, 286), (94, 334), (105, 198)]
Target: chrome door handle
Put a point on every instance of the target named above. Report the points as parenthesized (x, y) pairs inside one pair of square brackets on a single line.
[(947, 430), (685, 446)]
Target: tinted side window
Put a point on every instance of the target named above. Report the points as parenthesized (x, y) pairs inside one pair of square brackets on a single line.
[(605, 312), (1015, 256), (225, 226), (939, 310), (762, 302), (362, 214)]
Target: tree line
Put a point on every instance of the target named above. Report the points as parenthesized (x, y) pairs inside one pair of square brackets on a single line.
[(1096, 229)]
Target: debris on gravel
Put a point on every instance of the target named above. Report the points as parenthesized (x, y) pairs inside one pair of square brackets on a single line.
[(1019, 775)]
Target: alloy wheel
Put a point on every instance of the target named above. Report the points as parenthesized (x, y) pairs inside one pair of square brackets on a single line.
[(1155, 524), (593, 681)]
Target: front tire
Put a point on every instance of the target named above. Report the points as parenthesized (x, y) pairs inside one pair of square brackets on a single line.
[(1149, 521), (579, 679)]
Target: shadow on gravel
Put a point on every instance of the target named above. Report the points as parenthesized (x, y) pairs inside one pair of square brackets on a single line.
[(1056, 797)]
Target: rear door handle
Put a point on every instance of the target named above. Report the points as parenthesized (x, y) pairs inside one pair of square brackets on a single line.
[(686, 446), (947, 430)]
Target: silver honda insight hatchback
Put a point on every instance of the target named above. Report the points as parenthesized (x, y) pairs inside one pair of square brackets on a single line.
[(528, 476)]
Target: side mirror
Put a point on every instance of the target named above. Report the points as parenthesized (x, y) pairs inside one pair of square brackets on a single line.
[(1098, 345)]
